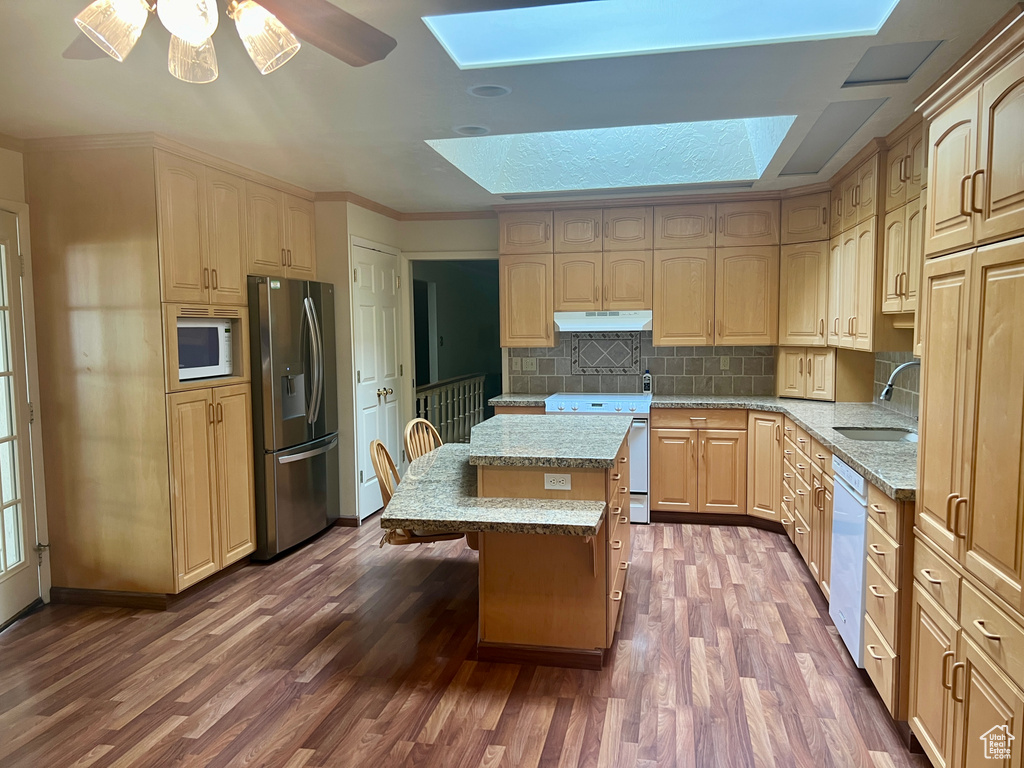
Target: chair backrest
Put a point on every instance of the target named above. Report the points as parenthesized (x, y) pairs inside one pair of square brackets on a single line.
[(420, 438), (384, 466)]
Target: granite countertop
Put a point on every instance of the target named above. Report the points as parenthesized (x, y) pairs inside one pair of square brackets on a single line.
[(552, 440), (518, 400), (438, 494), (890, 466)]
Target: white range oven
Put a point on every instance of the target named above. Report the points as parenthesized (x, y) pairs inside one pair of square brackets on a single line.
[(639, 407)]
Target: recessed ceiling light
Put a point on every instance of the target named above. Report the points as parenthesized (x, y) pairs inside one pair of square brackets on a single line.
[(472, 130), (489, 91)]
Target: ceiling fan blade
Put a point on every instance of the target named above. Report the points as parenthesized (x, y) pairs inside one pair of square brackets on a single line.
[(83, 49), (332, 30)]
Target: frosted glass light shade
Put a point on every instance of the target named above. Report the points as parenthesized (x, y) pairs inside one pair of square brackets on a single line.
[(114, 25), (269, 42), (192, 63), (192, 20)]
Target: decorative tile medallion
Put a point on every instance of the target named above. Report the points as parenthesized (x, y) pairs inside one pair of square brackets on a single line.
[(606, 353)]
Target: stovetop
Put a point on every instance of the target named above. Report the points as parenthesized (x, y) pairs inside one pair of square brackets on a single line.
[(626, 404)]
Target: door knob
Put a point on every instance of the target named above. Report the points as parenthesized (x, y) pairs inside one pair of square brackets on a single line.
[(381, 393), (389, 391)]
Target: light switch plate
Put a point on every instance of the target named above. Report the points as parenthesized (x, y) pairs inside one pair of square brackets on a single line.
[(724, 362), (517, 364), (554, 482), (529, 365)]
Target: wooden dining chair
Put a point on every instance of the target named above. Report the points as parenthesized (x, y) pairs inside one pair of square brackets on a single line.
[(420, 438)]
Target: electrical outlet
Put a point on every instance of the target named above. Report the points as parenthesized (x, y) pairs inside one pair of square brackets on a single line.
[(557, 482), (724, 362), (529, 365), (517, 364)]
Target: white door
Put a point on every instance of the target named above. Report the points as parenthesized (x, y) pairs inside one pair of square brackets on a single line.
[(377, 350), (20, 575)]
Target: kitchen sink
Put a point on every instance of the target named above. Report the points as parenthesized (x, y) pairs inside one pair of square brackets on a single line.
[(878, 434)]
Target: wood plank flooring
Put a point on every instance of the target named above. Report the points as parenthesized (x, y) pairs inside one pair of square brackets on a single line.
[(344, 654)]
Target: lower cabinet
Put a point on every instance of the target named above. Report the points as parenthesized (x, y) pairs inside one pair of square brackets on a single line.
[(722, 471), (674, 470), (699, 470), (212, 499), (764, 465)]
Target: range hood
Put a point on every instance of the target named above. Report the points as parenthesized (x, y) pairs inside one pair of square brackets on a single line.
[(633, 320)]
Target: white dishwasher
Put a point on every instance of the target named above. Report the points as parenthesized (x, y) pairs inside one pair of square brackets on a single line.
[(846, 582)]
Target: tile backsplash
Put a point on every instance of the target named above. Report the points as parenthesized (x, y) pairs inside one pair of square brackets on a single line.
[(607, 362), (906, 391)]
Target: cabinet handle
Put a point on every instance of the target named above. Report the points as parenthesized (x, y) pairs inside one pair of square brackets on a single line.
[(821, 327), (945, 669), (290, 262), (800, 367), (788, 453), (703, 446), (778, 433), (616, 545), (896, 284), (801, 493), (623, 490), (220, 413), (800, 531), (927, 573), (801, 467), (949, 510), (980, 624), (721, 224), (956, 517), (711, 330), (711, 224), (623, 519), (808, 373), (617, 595), (206, 277), (803, 439), (787, 499), (698, 418), (720, 336), (873, 589), (786, 521), (622, 460), (877, 550), (820, 456), (616, 477), (547, 234), (606, 293), (974, 190), (878, 509), (963, 196), (824, 215), (215, 281), (606, 230), (836, 333), (787, 475), (821, 502), (211, 413), (959, 665), (872, 654), (284, 258)]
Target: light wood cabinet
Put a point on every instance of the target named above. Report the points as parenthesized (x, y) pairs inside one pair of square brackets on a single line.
[(791, 372), (867, 189), (821, 374), (227, 237), (764, 465), (864, 293), (753, 223), (806, 372), (525, 232), (578, 282), (803, 294), (997, 195), (578, 231), (684, 297), (847, 288), (181, 227), (933, 647), (722, 473), (805, 218), (300, 238), (674, 470), (952, 160), (984, 700), (235, 486), (848, 201), (525, 293), (896, 174), (835, 219), (903, 252), (835, 265), (746, 295), (684, 226), (628, 280), (629, 229), (266, 215), (916, 161), (824, 540)]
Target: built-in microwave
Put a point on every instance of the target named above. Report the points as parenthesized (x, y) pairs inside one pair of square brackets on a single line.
[(204, 348)]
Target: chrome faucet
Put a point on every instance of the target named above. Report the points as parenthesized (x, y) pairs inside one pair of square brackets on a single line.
[(887, 392)]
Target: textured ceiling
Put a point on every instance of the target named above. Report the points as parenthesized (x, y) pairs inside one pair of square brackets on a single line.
[(326, 126)]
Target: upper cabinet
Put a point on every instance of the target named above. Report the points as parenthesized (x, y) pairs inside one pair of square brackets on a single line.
[(903, 253), (857, 195), (952, 160), (628, 280), (684, 297), (525, 294), (751, 223), (614, 281), (578, 281), (867, 189), (578, 231), (805, 218), (747, 295), (525, 232), (803, 294), (997, 196), (226, 238), (904, 168), (628, 229), (282, 233), (684, 226), (300, 238)]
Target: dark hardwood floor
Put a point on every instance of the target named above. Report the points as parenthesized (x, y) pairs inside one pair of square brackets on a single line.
[(344, 654)]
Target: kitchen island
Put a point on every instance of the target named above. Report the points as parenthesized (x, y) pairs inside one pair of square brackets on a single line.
[(548, 497)]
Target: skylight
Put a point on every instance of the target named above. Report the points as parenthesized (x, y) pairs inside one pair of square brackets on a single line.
[(604, 28), (615, 158)]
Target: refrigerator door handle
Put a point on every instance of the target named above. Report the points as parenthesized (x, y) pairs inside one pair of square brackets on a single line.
[(320, 361), (307, 305), (308, 454)]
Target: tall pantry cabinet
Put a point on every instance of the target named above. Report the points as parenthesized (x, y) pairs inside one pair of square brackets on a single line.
[(149, 479), (968, 612)]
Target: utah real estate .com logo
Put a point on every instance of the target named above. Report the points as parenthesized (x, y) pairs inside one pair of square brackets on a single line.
[(997, 743)]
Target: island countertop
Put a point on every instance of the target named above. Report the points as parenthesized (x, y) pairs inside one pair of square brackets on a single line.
[(574, 441)]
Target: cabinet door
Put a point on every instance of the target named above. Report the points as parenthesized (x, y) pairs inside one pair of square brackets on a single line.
[(864, 317), (684, 226), (894, 244), (825, 537), (722, 475), (803, 294), (987, 705), (952, 159), (847, 288), (764, 465), (944, 307), (628, 280), (990, 512), (867, 189), (525, 232), (747, 295), (749, 223), (896, 175), (674, 470), (998, 198), (629, 229), (848, 189), (578, 282), (835, 224), (805, 218), (236, 503), (933, 645), (225, 216), (265, 213), (915, 163), (814, 521), (181, 229), (193, 497), (578, 231), (821, 374), (913, 256), (684, 297), (525, 300), (300, 238), (835, 263), (791, 374)]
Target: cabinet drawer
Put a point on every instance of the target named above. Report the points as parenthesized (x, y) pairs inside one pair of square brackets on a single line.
[(618, 549), (821, 457), (882, 551), (994, 632), (802, 536), (880, 664), (789, 428), (616, 599), (788, 520), (884, 511), (937, 579), (698, 418), (803, 440), (802, 490), (881, 599), (618, 521)]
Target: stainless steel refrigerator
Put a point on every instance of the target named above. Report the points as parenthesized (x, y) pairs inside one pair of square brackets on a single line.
[(295, 411)]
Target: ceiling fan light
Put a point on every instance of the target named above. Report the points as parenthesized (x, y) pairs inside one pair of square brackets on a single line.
[(192, 63), (114, 25), (191, 20), (270, 43)]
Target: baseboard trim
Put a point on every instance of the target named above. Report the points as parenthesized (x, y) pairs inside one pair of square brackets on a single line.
[(151, 601), (346, 522), (544, 656), (704, 518)]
